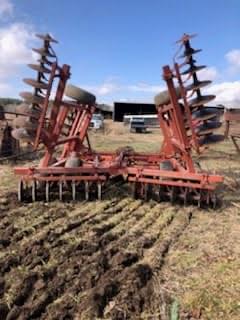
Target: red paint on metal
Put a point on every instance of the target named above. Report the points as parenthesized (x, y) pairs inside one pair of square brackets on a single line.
[(100, 166)]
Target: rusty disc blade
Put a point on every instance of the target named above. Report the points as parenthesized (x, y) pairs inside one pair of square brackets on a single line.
[(206, 114), (19, 122), (46, 37), (30, 98), (186, 37), (28, 111), (45, 61), (187, 61), (39, 68), (199, 101), (188, 53), (193, 69), (208, 127), (43, 52), (43, 77), (24, 122), (36, 84), (198, 85), (211, 139), (22, 134), (22, 108)]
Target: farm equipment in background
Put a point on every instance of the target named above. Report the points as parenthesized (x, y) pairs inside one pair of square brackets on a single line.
[(138, 125), (9, 147), (97, 121), (150, 120), (71, 166), (232, 120)]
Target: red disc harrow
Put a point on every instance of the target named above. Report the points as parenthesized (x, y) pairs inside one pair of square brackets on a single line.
[(71, 167)]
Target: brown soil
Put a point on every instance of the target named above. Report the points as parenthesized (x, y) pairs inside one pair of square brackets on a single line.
[(63, 261), (121, 258)]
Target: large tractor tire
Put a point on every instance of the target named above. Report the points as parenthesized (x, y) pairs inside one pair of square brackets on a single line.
[(164, 97), (80, 95)]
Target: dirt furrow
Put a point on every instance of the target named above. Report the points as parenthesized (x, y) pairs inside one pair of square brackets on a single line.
[(86, 262), (123, 264), (137, 291), (104, 221), (87, 240), (114, 261), (63, 273), (46, 253), (36, 244), (24, 227), (24, 221)]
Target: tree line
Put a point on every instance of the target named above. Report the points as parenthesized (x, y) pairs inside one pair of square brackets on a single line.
[(5, 101)]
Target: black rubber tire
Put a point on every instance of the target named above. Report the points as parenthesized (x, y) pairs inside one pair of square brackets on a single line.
[(164, 98), (80, 95)]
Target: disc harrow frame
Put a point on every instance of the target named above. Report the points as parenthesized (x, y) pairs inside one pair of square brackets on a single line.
[(168, 175)]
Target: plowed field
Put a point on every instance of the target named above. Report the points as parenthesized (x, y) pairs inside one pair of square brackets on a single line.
[(85, 262), (120, 258)]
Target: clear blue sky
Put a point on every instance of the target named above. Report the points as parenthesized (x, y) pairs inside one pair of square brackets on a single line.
[(125, 43)]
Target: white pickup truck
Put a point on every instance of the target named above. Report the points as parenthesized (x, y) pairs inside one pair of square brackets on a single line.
[(138, 125), (97, 121)]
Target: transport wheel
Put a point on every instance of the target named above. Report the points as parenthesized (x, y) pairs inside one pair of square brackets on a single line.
[(79, 94), (164, 98), (20, 190), (34, 187)]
